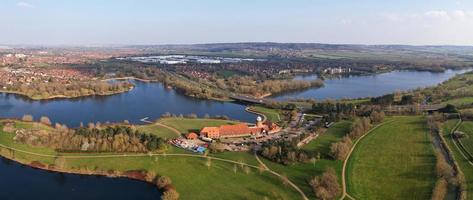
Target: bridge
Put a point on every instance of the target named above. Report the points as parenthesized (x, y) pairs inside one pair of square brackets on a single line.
[(248, 99)]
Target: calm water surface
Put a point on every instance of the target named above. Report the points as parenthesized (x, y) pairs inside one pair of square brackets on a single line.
[(370, 86), (19, 182), (145, 100)]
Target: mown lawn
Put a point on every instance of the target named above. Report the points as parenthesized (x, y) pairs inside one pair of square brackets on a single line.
[(463, 163), (467, 128), (185, 125), (333, 134), (191, 176), (158, 130), (396, 161), (271, 114)]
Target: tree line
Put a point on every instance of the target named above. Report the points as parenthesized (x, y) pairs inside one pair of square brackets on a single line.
[(117, 138)]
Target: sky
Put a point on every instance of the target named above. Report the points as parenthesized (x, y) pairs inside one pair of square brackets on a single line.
[(105, 22)]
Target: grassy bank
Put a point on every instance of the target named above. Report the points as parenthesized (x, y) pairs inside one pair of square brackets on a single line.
[(271, 114), (396, 161)]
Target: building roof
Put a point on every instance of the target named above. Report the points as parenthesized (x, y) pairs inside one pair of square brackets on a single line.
[(237, 129), (191, 135), (210, 130)]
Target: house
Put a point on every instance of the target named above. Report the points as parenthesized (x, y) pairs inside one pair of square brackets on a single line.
[(210, 132), (192, 136), (239, 130)]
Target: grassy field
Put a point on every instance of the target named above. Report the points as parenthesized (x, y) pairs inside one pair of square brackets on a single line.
[(158, 130), (467, 128), (396, 161), (333, 134), (460, 101), (191, 176), (184, 125), (463, 163), (271, 114), (300, 173)]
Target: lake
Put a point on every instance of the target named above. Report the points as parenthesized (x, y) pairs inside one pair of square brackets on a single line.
[(370, 86), (19, 182), (145, 100)]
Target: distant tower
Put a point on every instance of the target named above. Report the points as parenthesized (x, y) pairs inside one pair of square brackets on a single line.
[(259, 121)]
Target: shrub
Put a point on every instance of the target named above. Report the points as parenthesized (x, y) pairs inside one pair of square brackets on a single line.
[(326, 186), (163, 181), (27, 118), (170, 194), (45, 120), (440, 190)]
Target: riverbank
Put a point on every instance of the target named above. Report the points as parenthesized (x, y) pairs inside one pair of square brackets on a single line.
[(64, 96)]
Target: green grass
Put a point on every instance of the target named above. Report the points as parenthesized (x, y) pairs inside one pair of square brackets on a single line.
[(460, 101), (467, 128), (300, 173), (184, 125), (396, 161), (158, 130), (463, 164), (271, 114), (191, 176), (332, 135)]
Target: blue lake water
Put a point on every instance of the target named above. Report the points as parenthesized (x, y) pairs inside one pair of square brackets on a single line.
[(370, 86), (19, 182), (145, 100)]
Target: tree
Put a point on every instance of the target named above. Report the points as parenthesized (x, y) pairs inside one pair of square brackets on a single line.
[(163, 181), (327, 186), (340, 150), (377, 117)]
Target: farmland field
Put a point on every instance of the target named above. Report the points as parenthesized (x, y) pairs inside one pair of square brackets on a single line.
[(396, 161)]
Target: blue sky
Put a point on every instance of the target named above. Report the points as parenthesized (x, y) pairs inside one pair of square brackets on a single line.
[(88, 22)]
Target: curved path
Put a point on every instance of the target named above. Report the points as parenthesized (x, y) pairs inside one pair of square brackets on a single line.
[(457, 143), (248, 109), (160, 154), (344, 184), (162, 125), (282, 177)]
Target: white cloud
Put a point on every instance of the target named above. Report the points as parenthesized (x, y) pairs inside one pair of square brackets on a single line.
[(438, 14), (22, 4)]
